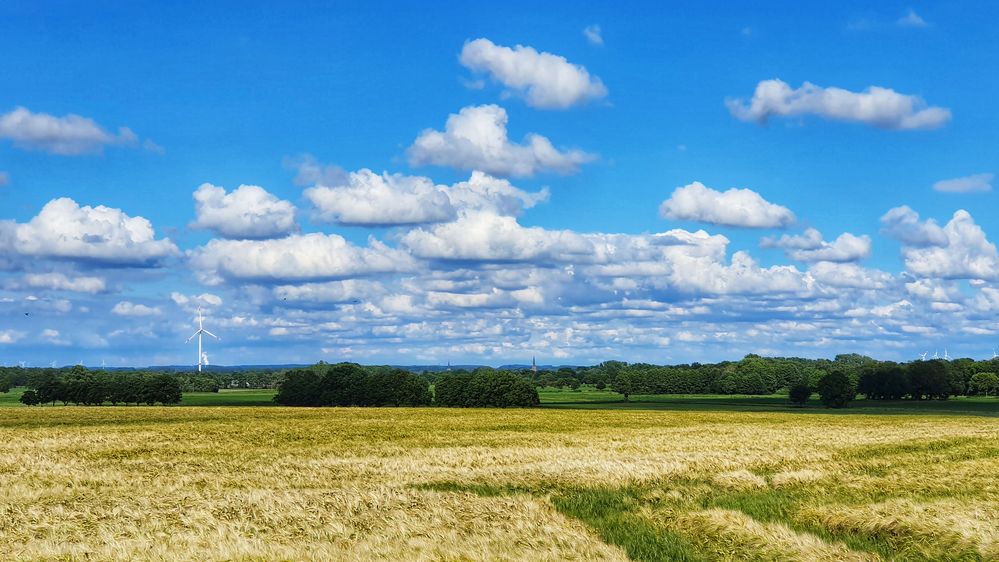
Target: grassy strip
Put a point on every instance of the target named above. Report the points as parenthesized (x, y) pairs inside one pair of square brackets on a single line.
[(780, 506), (613, 514)]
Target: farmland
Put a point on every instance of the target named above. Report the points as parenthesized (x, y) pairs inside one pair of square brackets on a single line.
[(225, 483)]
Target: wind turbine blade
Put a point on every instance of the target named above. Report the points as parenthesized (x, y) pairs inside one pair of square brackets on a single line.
[(192, 336), (210, 334)]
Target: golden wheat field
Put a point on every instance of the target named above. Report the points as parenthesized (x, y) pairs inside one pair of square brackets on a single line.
[(234, 483)]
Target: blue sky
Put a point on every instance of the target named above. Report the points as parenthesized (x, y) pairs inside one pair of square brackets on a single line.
[(840, 118)]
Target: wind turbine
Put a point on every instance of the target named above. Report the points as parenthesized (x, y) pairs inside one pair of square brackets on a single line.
[(922, 356), (946, 357), (202, 356), (994, 354), (935, 354)]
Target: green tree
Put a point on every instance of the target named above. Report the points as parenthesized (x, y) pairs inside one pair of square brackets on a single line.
[(985, 383), (623, 383), (836, 390), (452, 390), (29, 398), (300, 387), (800, 393), (929, 379)]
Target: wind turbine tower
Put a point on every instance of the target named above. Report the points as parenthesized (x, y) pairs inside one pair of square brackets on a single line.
[(202, 356)]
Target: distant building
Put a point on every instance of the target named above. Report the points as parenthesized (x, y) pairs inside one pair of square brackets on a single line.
[(534, 365)]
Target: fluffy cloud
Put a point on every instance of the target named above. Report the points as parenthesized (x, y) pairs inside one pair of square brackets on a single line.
[(902, 224), (849, 275), (476, 139), (98, 235), (248, 212), (593, 34), (736, 207), (810, 246), (297, 257), (192, 302), (125, 308), (967, 253), (348, 290), (60, 282), (545, 80), (742, 276), (876, 106), (484, 236), (370, 199), (68, 135), (977, 183)]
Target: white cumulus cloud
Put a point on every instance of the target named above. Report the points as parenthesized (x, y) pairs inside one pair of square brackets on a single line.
[(100, 235), (486, 236), (736, 207), (849, 275), (126, 308), (248, 212), (977, 183), (902, 223), (545, 80), (967, 253), (476, 139), (298, 257), (61, 282), (370, 199), (876, 106), (68, 135), (811, 247)]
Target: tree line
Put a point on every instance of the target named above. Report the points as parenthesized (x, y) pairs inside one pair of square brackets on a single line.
[(94, 388), (350, 384), (191, 381), (753, 374)]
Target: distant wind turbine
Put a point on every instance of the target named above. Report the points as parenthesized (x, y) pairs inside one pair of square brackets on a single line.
[(202, 356), (935, 354), (946, 357), (922, 356), (994, 354)]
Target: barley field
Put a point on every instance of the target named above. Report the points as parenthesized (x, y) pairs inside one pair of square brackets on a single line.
[(242, 483)]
